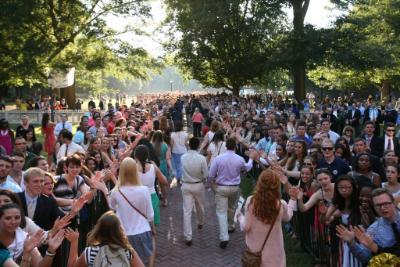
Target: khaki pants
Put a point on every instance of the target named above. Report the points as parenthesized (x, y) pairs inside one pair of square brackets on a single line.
[(192, 194), (226, 199)]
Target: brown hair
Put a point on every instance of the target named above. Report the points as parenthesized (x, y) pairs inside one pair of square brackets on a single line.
[(267, 190), (108, 231)]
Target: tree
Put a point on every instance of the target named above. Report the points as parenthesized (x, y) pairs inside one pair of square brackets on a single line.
[(40, 35), (365, 48), (224, 43)]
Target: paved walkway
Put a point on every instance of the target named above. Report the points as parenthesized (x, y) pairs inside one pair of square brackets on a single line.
[(205, 251)]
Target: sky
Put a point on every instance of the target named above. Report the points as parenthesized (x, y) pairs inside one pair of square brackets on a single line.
[(320, 14)]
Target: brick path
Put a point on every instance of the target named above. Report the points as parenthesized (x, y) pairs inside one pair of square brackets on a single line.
[(205, 251)]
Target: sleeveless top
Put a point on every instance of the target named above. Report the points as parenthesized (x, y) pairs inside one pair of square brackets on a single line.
[(148, 179), (91, 253)]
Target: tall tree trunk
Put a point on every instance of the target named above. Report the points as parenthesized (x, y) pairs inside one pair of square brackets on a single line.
[(235, 90), (385, 90), (69, 94), (300, 8)]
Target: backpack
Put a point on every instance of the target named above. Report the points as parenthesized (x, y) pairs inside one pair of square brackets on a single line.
[(107, 257)]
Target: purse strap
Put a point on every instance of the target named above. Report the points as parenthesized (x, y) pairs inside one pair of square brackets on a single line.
[(141, 213), (272, 226)]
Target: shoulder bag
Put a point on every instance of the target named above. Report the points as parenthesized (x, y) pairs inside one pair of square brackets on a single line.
[(253, 259)]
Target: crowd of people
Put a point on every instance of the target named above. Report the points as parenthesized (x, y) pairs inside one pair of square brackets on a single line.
[(95, 199)]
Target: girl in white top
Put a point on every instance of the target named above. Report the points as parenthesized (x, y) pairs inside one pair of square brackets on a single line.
[(21, 247), (217, 146), (129, 190), (179, 138), (393, 185)]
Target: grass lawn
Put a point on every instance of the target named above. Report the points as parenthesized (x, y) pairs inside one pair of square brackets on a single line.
[(295, 255)]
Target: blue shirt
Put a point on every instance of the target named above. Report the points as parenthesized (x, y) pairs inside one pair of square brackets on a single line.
[(337, 167), (262, 143), (381, 232), (8, 185), (226, 168)]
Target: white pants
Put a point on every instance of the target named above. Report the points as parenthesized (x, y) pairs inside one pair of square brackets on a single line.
[(226, 199), (192, 194)]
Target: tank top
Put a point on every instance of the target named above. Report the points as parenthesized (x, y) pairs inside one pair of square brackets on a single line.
[(148, 179)]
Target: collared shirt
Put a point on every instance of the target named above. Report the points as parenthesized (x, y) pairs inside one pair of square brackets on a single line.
[(387, 141), (72, 149), (60, 126), (226, 168), (93, 130), (261, 145), (30, 201), (8, 185), (22, 185), (337, 167), (194, 167), (381, 232)]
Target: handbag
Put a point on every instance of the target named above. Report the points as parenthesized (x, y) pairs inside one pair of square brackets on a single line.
[(253, 259)]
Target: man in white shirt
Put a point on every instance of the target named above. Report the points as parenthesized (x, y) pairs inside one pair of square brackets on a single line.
[(195, 172), (16, 173), (63, 124), (68, 148), (326, 128), (5, 167)]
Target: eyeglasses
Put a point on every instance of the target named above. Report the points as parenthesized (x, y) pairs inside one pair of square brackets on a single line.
[(383, 205), (327, 148), (390, 130)]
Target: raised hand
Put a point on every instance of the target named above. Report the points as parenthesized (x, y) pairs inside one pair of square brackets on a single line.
[(55, 241), (362, 236), (31, 242), (71, 235), (343, 233), (79, 203), (61, 223)]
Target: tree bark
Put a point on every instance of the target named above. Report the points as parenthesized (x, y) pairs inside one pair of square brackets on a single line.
[(69, 94), (299, 68), (385, 90), (235, 90)]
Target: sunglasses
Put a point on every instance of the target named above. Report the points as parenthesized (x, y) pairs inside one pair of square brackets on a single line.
[(316, 139), (390, 130), (327, 148)]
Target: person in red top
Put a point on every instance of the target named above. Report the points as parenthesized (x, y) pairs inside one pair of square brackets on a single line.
[(197, 120), (50, 138)]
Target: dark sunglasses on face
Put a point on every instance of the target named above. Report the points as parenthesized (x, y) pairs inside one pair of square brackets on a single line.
[(327, 148), (390, 130)]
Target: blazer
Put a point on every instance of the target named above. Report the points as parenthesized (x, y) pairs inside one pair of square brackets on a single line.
[(356, 117), (46, 211), (378, 147)]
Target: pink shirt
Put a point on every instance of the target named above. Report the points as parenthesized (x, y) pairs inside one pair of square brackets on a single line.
[(197, 117)]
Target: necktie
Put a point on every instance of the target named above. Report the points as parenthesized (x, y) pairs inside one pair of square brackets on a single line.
[(389, 145), (63, 125), (396, 231), (31, 208), (66, 150)]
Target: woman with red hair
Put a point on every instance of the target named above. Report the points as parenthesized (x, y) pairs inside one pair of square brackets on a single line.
[(262, 223)]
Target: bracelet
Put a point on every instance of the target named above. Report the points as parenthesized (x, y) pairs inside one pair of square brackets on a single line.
[(50, 254)]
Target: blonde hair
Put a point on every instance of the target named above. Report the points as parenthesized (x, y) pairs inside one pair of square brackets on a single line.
[(128, 173), (33, 172)]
